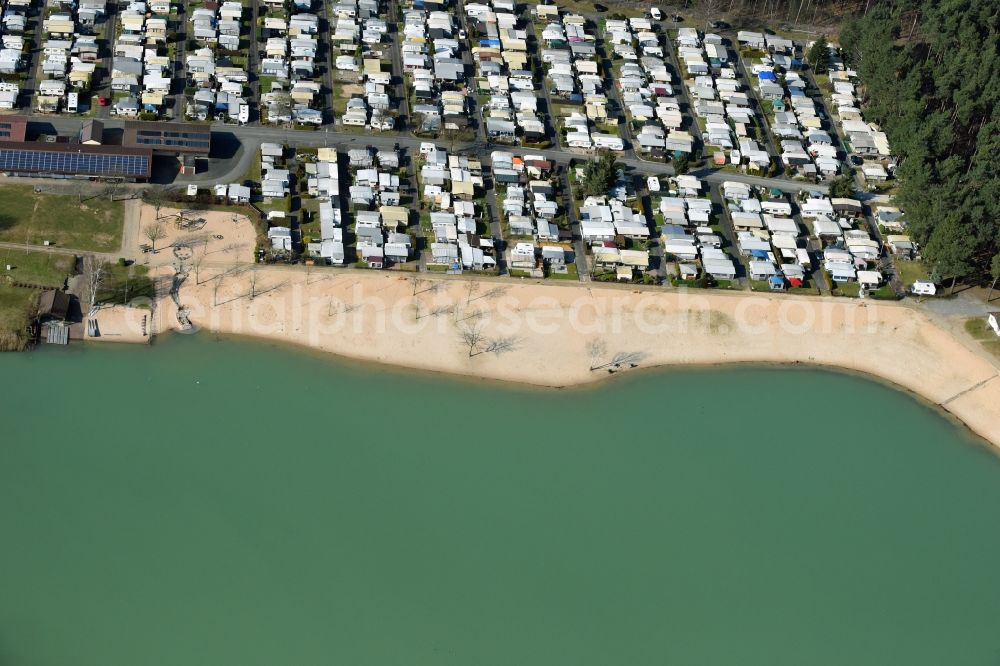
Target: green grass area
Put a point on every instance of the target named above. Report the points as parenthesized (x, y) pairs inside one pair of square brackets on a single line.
[(339, 102), (15, 303), (570, 274), (978, 329), (31, 217), (283, 204), (808, 289), (310, 232), (883, 293), (40, 269), (849, 289), (264, 84), (910, 271)]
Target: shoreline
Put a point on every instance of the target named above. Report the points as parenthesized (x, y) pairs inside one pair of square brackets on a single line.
[(600, 381), (548, 334)]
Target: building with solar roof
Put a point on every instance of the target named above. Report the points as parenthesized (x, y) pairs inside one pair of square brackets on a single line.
[(174, 139), (89, 157), (74, 160)]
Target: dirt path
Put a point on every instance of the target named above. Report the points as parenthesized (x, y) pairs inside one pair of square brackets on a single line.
[(130, 228)]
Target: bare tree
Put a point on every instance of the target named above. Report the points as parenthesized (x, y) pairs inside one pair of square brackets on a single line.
[(472, 337), (596, 349), (432, 288), (215, 288), (493, 293), (501, 346), (253, 283), (475, 315), (153, 232), (198, 260), (94, 274), (156, 198), (711, 9), (471, 288), (438, 311), (416, 281), (112, 189)]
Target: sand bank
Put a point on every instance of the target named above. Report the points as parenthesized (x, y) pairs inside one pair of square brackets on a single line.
[(552, 335)]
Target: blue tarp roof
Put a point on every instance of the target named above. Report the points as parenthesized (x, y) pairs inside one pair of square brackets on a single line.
[(489, 42), (759, 254), (673, 230), (766, 76), (774, 279)]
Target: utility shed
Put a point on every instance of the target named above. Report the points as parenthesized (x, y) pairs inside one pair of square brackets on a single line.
[(53, 305)]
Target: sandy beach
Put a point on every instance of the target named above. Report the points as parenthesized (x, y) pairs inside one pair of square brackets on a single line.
[(546, 334)]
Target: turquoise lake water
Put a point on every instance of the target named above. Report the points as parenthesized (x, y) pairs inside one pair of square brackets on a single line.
[(221, 502)]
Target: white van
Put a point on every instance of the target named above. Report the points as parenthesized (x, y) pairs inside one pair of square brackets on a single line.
[(922, 288), (426, 148), (655, 14)]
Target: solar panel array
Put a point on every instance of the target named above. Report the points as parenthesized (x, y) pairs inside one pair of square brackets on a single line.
[(89, 164)]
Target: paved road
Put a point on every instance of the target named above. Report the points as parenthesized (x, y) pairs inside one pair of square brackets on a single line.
[(681, 93), (492, 213), (610, 80), (34, 61), (107, 63), (725, 223), (178, 67), (538, 69), (324, 64), (253, 64), (395, 23), (579, 247), (251, 136), (769, 143)]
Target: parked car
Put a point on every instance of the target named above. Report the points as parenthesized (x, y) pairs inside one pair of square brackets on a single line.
[(655, 14), (102, 101)]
